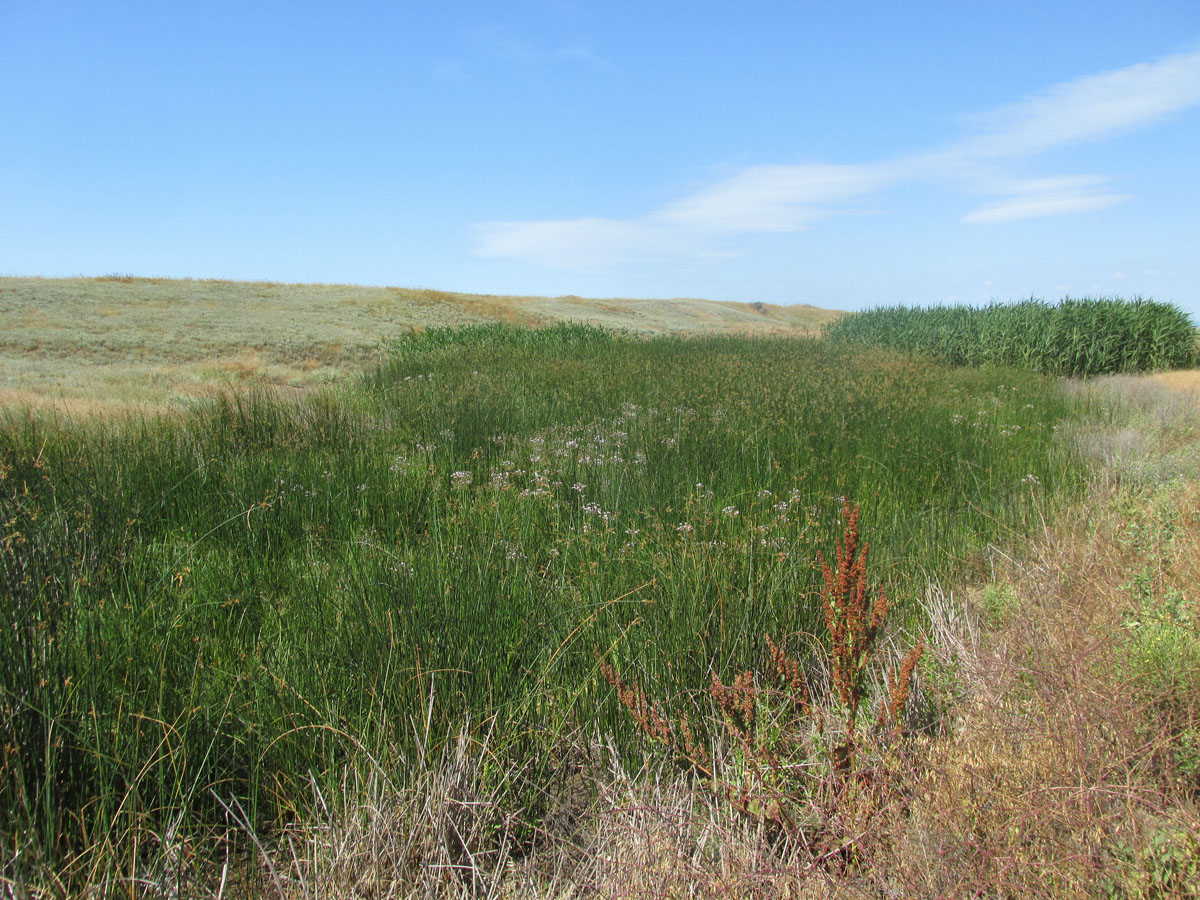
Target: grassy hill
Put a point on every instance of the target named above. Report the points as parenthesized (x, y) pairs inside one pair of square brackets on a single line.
[(93, 344)]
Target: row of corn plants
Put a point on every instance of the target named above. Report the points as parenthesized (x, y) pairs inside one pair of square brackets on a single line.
[(1081, 337), (223, 610)]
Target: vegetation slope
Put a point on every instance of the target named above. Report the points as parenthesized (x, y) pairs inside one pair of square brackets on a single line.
[(93, 344)]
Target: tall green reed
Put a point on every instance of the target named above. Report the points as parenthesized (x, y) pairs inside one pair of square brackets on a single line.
[(1077, 337)]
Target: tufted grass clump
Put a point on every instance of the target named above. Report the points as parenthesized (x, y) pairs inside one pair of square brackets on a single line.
[(212, 619)]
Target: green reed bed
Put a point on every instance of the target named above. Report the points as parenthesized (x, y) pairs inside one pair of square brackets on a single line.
[(1075, 337), (224, 610)]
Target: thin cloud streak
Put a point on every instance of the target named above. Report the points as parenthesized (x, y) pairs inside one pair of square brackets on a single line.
[(773, 198), (781, 198), (1037, 206), (1041, 197), (1091, 107)]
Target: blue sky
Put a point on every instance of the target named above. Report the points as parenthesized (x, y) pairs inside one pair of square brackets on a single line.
[(842, 155)]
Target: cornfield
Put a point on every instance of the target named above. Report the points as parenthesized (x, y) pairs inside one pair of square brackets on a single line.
[(1077, 337)]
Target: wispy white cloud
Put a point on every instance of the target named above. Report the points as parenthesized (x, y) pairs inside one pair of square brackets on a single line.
[(786, 198), (1091, 107), (1039, 197), (772, 198), (759, 200), (1035, 206)]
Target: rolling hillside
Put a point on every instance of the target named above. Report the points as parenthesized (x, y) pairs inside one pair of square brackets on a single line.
[(93, 344)]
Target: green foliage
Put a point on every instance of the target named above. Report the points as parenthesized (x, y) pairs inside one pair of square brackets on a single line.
[(999, 602), (1075, 337), (495, 335), (1161, 659), (1166, 866), (240, 602)]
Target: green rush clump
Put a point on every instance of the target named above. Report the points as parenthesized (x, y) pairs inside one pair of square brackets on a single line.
[(226, 609)]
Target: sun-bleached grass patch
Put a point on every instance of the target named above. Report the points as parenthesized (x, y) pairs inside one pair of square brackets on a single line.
[(120, 343)]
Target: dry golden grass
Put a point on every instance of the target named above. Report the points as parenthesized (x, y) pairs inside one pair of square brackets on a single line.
[(1072, 769), (1182, 380), (1063, 757), (87, 345)]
